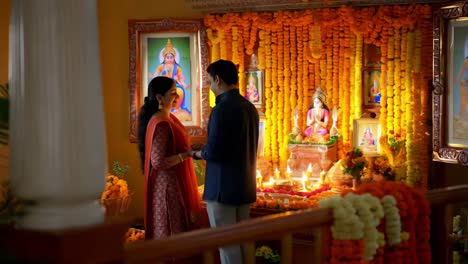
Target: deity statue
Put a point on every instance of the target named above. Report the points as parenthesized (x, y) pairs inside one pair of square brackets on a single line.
[(317, 118)]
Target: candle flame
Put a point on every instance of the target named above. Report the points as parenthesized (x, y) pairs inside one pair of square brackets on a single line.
[(304, 180), (309, 168)]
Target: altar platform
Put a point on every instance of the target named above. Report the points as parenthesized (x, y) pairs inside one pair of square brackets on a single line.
[(319, 156)]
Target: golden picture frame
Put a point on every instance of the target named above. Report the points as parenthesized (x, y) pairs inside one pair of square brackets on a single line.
[(449, 96), (187, 38)]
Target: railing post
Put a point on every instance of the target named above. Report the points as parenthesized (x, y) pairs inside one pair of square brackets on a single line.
[(249, 252), (441, 227), (208, 257), (286, 249)]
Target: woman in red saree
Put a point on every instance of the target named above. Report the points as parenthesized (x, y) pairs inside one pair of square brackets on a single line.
[(171, 195)]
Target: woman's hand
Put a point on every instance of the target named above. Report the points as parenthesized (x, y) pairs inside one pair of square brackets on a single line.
[(197, 146)]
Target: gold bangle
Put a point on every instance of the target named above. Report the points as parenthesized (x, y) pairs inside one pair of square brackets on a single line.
[(180, 157)]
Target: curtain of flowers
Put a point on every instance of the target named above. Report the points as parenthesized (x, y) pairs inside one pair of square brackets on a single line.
[(302, 50)]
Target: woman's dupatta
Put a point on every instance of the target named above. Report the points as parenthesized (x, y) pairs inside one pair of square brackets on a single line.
[(186, 178)]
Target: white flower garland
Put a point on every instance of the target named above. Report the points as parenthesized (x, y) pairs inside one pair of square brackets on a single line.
[(370, 211), (358, 216), (346, 224), (392, 220)]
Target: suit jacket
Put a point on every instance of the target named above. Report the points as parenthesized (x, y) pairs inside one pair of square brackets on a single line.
[(231, 150)]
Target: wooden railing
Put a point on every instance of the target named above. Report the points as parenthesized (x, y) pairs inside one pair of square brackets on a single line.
[(274, 226), (442, 204), (282, 226), (102, 244)]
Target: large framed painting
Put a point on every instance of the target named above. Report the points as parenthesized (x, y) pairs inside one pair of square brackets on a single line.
[(450, 80), (175, 48), (366, 134)]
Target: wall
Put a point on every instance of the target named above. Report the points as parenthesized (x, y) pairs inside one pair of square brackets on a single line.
[(113, 16)]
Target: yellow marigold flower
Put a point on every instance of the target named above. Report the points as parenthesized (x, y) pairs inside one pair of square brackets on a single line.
[(405, 236), (105, 194)]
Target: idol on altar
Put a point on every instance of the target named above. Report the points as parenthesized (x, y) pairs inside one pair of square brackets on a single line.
[(316, 146), (317, 118)]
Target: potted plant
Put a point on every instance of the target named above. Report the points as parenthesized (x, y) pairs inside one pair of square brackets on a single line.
[(116, 197), (266, 255)]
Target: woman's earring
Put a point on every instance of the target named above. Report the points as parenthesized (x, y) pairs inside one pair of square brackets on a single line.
[(160, 106)]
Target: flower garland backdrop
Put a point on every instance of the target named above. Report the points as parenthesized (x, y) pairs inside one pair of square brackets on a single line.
[(302, 50)]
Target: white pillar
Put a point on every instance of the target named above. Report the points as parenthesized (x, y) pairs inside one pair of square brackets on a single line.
[(57, 158)]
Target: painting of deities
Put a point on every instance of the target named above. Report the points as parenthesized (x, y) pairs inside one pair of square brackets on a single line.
[(372, 87), (368, 138), (170, 57), (458, 91), (254, 86)]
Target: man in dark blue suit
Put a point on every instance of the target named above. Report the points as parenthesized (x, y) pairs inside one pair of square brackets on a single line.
[(230, 154)]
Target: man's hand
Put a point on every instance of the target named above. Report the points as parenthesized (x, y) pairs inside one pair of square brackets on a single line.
[(196, 155)]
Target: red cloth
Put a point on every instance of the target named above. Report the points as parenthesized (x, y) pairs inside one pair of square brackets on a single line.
[(171, 194)]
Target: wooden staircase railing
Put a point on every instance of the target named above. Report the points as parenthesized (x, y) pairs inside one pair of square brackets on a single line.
[(103, 243), (206, 240), (282, 226)]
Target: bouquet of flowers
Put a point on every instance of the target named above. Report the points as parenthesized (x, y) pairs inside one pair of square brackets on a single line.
[(382, 166), (10, 205), (395, 142), (116, 197), (354, 163), (393, 145), (133, 235), (116, 186)]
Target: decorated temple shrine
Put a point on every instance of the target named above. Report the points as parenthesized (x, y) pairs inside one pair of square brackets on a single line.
[(362, 152)]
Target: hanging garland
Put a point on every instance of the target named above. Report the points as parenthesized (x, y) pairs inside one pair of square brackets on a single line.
[(323, 47)]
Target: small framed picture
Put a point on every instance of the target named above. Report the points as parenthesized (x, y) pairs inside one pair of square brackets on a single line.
[(372, 56), (366, 134), (371, 87), (254, 87)]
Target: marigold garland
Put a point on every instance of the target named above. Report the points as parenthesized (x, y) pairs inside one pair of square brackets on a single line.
[(410, 154), (274, 112), (287, 89), (356, 103), (323, 47), (267, 65), (396, 80)]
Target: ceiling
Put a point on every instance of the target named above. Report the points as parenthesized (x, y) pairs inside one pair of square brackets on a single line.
[(225, 6)]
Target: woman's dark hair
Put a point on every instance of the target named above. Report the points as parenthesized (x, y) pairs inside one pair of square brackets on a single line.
[(226, 70), (323, 104), (159, 85)]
